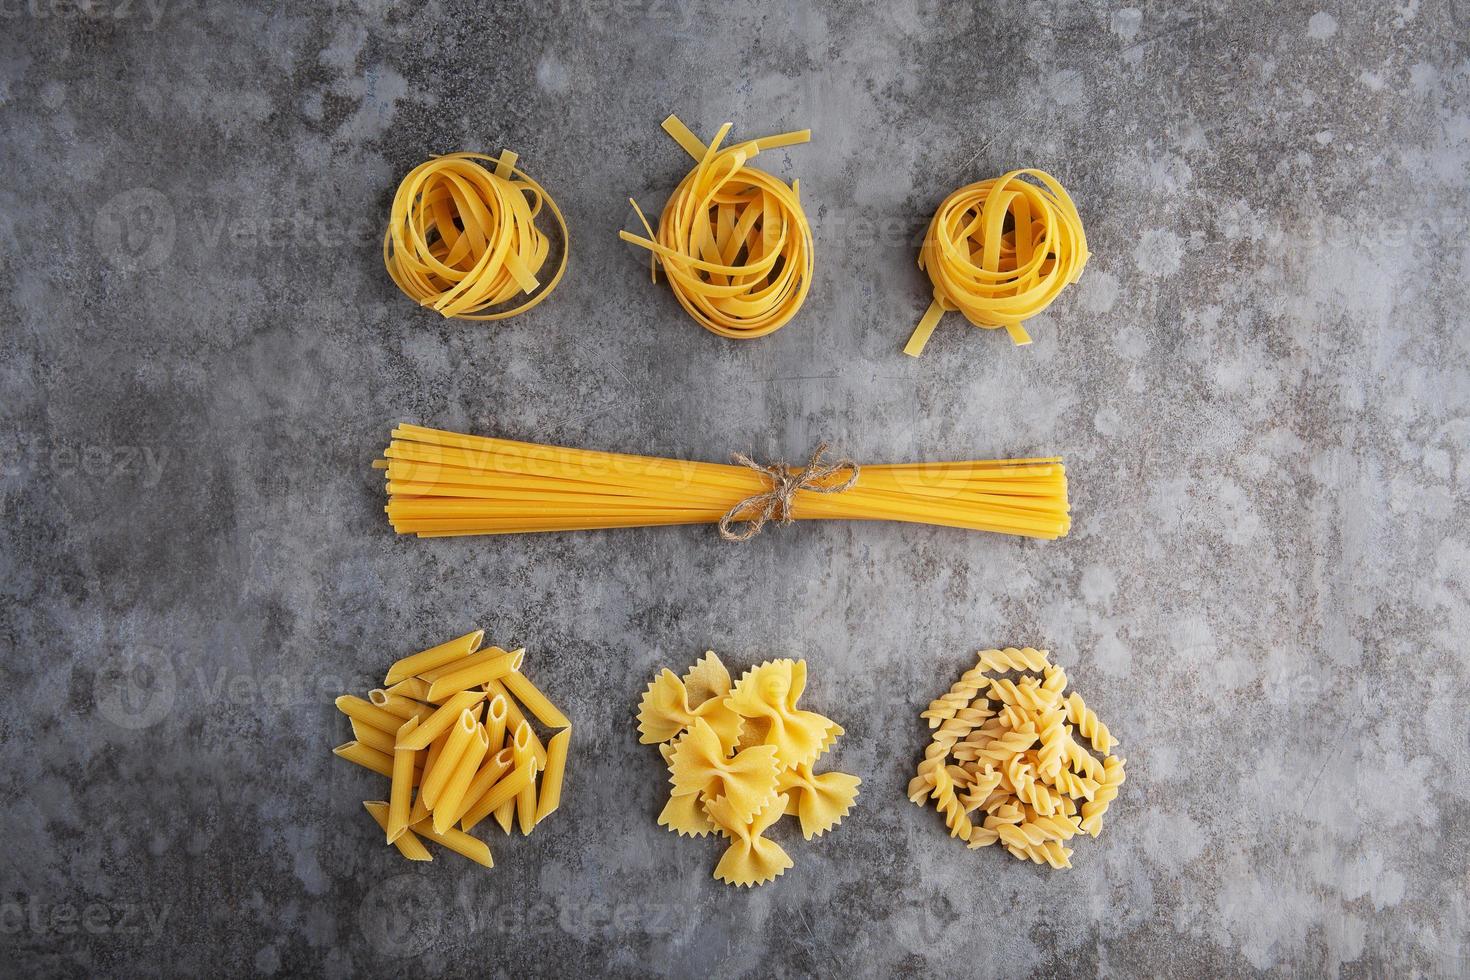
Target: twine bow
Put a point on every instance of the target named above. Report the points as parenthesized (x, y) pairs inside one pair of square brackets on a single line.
[(775, 503)]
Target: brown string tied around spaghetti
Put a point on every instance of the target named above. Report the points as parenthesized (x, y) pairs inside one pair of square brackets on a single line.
[(775, 503)]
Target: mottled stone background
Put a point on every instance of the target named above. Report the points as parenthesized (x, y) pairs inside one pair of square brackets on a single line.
[(1261, 387)]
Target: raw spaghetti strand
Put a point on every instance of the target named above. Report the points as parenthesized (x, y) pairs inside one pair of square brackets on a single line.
[(999, 251), (462, 236), (732, 240), (443, 484)]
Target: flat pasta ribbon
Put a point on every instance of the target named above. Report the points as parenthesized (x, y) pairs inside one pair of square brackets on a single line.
[(999, 251), (462, 236), (732, 240)]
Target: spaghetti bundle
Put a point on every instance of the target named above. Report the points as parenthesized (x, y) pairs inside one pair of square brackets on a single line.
[(462, 237), (443, 484), (733, 240), (999, 251)]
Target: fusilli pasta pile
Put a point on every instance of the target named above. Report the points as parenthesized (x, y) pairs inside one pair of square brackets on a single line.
[(741, 756), (1003, 766)]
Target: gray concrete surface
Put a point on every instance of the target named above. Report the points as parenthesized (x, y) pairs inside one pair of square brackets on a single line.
[(1261, 387)]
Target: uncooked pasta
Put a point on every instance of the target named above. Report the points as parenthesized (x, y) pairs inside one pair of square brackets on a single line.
[(1003, 750), (443, 484), (462, 237), (732, 240), (999, 251)]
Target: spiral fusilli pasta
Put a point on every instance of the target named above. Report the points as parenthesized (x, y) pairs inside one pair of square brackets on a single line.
[(1003, 748)]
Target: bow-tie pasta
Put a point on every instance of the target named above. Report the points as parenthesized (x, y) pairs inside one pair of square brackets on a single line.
[(740, 756), (769, 694), (665, 711)]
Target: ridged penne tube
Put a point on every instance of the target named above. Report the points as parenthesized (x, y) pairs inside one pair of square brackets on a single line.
[(460, 737), (400, 793), (551, 780), (526, 798), (475, 675), (503, 793), (495, 717), (398, 705), (368, 713), (447, 806), (431, 758), (513, 719), (374, 738), (534, 701), (368, 758), (474, 659), (412, 687), (442, 719), (408, 843), (457, 841), (492, 770), (460, 646)]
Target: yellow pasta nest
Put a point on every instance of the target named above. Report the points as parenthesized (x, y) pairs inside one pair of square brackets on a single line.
[(462, 236), (1008, 752), (449, 731), (999, 251), (740, 756), (732, 240)]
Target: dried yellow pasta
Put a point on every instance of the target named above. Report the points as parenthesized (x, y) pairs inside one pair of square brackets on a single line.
[(743, 777), (733, 241), (462, 237), (1000, 251), (444, 484), (440, 721), (435, 656), (1016, 760), (445, 766), (407, 842)]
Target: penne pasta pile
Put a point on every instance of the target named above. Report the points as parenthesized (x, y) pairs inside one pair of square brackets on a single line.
[(449, 731), (443, 484)]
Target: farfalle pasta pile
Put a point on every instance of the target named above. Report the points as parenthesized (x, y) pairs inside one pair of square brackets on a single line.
[(741, 756), (1004, 748)]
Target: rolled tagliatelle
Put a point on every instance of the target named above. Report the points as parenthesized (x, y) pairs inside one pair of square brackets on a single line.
[(462, 237), (732, 240), (1000, 251)]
